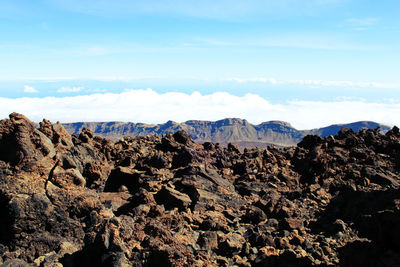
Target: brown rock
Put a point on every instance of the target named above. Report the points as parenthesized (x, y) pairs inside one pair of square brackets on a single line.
[(293, 223), (208, 240), (172, 198), (150, 201), (269, 251), (232, 243)]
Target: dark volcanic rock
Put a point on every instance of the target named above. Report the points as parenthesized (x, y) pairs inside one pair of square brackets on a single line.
[(172, 198), (82, 200)]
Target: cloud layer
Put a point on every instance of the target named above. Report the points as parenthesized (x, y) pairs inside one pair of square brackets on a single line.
[(152, 107), (70, 89), (324, 83), (269, 80), (30, 89)]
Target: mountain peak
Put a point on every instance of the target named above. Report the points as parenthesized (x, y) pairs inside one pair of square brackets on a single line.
[(231, 121), (281, 123), (171, 123)]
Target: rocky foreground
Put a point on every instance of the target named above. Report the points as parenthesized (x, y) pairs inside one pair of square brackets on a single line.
[(69, 200)]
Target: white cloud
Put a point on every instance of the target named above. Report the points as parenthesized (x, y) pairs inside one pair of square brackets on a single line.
[(302, 40), (346, 84), (30, 89), (97, 50), (70, 89), (257, 79), (361, 24), (362, 21), (317, 113), (151, 107), (97, 90), (318, 83), (271, 80)]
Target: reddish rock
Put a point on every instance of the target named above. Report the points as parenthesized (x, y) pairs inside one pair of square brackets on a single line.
[(149, 201)]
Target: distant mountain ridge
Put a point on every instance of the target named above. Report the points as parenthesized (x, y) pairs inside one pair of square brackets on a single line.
[(224, 131)]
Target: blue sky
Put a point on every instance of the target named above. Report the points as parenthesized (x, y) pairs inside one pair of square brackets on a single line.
[(290, 51)]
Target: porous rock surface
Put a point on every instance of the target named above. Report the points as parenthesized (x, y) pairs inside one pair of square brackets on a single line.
[(69, 200)]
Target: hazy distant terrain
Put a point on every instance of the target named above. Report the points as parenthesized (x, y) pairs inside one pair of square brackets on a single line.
[(224, 131)]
